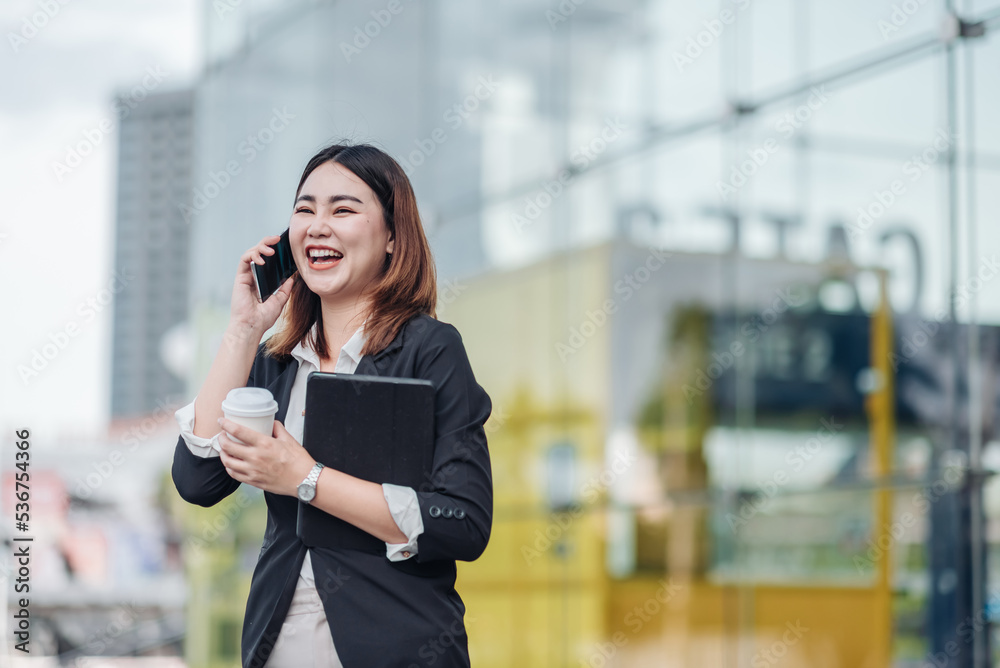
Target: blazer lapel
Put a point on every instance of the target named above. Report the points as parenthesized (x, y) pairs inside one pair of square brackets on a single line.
[(374, 365), (281, 389)]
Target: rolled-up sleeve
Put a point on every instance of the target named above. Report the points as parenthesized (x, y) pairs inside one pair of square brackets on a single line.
[(405, 510), (456, 504), (198, 445), (198, 474)]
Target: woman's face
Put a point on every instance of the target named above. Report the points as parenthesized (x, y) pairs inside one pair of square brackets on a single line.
[(337, 211)]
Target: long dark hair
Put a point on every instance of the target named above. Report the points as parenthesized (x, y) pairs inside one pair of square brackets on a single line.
[(408, 282)]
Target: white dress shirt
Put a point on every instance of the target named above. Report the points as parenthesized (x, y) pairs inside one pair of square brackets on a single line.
[(402, 500)]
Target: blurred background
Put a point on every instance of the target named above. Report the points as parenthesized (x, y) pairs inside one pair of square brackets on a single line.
[(727, 270)]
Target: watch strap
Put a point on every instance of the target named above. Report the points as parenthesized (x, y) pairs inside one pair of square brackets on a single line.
[(313, 476)]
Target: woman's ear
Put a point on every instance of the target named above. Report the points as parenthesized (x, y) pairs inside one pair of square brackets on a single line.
[(388, 246)]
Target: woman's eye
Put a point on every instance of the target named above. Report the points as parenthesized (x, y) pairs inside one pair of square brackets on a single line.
[(302, 209), (342, 209)]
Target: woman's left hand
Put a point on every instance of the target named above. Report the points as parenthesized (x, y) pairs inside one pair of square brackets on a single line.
[(272, 463)]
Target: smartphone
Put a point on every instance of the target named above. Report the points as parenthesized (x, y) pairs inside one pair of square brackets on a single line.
[(269, 276)]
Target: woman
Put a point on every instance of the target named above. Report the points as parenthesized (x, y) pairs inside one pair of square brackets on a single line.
[(362, 301)]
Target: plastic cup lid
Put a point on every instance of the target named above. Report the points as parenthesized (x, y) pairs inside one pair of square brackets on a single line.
[(250, 402)]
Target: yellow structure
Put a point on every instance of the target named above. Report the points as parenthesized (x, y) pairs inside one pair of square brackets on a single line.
[(544, 593)]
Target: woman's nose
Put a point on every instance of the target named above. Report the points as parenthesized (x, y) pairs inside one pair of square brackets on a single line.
[(319, 225)]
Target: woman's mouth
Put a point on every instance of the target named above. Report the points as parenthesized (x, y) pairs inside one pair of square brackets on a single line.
[(320, 260)]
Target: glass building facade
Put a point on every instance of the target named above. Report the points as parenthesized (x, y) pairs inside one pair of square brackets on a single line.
[(727, 272)]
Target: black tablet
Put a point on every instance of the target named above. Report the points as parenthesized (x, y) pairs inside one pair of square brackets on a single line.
[(376, 428)]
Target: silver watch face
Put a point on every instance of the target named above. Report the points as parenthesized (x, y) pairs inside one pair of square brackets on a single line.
[(306, 492)]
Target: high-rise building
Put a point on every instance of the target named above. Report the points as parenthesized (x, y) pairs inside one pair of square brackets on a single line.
[(151, 247)]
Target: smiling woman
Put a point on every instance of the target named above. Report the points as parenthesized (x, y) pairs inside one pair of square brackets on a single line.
[(362, 301), (355, 201)]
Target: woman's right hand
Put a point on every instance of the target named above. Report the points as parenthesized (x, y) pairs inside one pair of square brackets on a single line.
[(245, 310)]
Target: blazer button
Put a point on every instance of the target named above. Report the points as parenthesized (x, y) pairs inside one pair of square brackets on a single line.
[(446, 512), (459, 514), (434, 511)]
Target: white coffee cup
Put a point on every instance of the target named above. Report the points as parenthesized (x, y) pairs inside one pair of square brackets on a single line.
[(252, 407)]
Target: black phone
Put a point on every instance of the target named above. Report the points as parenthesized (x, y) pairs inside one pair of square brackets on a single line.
[(276, 268)]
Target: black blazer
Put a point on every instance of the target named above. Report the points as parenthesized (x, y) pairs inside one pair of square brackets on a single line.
[(382, 614)]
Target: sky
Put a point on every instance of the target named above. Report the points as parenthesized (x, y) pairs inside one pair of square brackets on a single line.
[(56, 230)]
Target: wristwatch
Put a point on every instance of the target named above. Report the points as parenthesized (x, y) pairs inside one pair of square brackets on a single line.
[(307, 488)]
